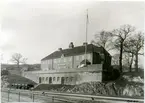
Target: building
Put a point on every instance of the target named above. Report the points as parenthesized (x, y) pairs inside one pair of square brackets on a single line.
[(68, 66)]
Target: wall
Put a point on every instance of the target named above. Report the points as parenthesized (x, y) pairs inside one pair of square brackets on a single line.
[(90, 68), (88, 77), (73, 76), (96, 58), (64, 62), (47, 64), (70, 78), (79, 58)]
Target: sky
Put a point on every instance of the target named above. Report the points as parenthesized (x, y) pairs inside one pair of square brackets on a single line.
[(37, 28)]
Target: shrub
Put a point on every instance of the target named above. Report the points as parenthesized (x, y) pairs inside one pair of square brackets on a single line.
[(4, 72)]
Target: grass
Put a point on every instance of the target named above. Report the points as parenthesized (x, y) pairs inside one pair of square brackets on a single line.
[(122, 82), (134, 74)]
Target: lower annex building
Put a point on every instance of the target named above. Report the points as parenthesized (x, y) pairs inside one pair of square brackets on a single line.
[(73, 65)]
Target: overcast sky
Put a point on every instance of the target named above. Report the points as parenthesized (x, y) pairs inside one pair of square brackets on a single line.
[(37, 28)]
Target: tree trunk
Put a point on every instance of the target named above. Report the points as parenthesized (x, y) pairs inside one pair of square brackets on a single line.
[(120, 57), (130, 66), (136, 62), (18, 65)]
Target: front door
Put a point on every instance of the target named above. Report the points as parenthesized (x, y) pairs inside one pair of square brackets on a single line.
[(62, 80), (50, 80), (39, 79)]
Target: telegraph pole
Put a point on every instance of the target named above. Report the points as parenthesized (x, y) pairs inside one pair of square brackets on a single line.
[(1, 58), (86, 38)]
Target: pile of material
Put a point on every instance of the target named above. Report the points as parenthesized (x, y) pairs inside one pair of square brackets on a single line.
[(4, 81), (129, 85), (95, 88), (121, 87), (4, 78), (133, 90), (137, 79)]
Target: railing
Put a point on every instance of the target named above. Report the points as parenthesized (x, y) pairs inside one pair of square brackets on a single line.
[(69, 97)]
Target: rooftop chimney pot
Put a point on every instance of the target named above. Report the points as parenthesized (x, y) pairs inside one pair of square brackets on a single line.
[(71, 45), (60, 49), (85, 43)]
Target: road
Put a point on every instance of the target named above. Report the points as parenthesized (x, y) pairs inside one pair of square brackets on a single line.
[(24, 97)]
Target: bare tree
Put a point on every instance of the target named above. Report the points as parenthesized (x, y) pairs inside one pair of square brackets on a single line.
[(128, 60), (115, 59), (129, 48), (121, 35), (134, 46), (103, 39), (18, 59)]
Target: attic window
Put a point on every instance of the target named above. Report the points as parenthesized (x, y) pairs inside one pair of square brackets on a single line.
[(102, 56)]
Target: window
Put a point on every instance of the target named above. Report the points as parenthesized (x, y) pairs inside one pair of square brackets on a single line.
[(67, 79), (62, 56), (102, 56), (53, 78), (46, 78), (58, 78), (71, 79)]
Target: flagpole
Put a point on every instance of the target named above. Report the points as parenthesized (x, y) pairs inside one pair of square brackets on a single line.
[(86, 37)]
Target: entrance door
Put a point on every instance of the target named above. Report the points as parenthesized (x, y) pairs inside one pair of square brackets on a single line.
[(62, 80), (50, 80), (39, 79)]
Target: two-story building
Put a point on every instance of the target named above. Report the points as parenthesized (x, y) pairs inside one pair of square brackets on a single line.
[(74, 65)]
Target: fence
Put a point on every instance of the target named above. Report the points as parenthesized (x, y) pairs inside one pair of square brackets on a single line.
[(68, 97)]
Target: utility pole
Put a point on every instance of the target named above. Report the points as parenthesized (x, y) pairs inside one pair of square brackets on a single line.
[(1, 58), (86, 38)]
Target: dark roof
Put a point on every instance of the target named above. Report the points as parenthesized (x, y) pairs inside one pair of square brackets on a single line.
[(13, 78), (74, 51)]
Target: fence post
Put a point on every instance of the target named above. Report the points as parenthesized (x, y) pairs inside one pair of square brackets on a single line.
[(8, 95), (52, 98), (19, 96), (33, 97)]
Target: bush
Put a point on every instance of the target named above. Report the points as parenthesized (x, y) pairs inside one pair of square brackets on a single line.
[(115, 74), (4, 72)]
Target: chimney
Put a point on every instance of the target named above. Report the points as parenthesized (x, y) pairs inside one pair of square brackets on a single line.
[(85, 43), (71, 45), (59, 49)]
